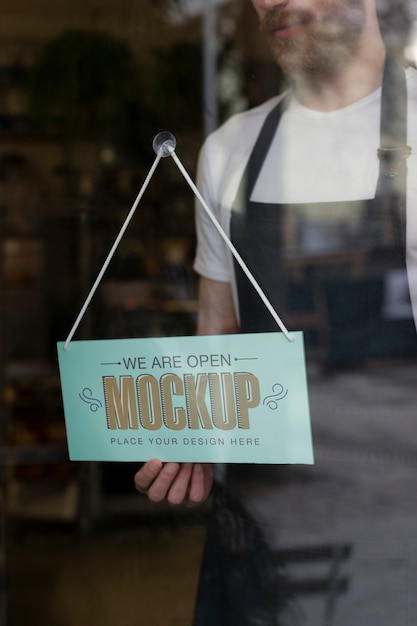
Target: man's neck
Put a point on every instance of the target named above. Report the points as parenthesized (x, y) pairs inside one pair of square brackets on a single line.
[(359, 77)]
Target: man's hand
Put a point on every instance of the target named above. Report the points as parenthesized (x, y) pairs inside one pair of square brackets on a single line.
[(176, 483), (190, 483)]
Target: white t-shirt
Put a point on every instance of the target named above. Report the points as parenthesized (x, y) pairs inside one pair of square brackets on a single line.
[(314, 157)]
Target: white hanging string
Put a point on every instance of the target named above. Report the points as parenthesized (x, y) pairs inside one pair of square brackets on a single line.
[(233, 250), (112, 251), (164, 145)]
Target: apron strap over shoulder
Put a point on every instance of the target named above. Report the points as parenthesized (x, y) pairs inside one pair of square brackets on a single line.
[(260, 149), (393, 149)]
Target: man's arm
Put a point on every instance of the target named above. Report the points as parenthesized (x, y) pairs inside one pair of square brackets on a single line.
[(216, 311), (190, 483)]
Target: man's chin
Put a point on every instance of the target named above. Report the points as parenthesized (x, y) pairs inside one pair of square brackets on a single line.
[(313, 62), (292, 64)]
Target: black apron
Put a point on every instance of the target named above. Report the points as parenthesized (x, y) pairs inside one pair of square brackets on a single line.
[(335, 543)]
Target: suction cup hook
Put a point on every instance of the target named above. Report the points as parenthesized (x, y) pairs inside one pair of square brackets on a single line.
[(164, 143)]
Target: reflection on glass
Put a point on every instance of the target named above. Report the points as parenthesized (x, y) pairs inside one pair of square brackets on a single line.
[(321, 210)]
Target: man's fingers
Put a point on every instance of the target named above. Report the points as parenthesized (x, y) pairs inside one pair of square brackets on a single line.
[(201, 483), (186, 483), (147, 474), (160, 487), (178, 492), (156, 478)]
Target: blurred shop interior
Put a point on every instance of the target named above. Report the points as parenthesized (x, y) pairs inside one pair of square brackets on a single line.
[(84, 88)]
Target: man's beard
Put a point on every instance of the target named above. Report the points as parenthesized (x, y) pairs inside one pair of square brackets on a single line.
[(327, 37)]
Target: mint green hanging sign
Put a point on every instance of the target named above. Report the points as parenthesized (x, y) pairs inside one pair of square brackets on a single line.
[(228, 398)]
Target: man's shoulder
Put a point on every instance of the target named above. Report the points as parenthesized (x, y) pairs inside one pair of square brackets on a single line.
[(242, 125), (254, 114), (225, 151)]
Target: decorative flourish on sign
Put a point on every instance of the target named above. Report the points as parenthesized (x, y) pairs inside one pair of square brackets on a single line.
[(87, 396), (279, 393)]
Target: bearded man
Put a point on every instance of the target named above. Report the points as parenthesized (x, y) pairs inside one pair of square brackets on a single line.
[(312, 188)]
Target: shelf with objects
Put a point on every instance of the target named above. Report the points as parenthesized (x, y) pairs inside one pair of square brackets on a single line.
[(75, 145), (33, 434), (66, 191)]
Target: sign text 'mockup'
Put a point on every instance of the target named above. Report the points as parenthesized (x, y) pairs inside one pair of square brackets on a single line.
[(202, 401)]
